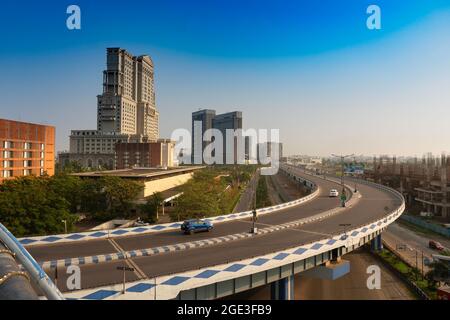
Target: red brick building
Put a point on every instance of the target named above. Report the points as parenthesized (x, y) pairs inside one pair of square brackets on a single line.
[(26, 149), (144, 154)]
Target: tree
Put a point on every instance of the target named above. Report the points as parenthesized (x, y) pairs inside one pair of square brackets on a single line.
[(439, 272), (120, 193), (29, 206), (151, 206)]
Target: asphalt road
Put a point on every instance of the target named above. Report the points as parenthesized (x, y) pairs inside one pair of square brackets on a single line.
[(410, 245), (247, 198), (374, 204), (352, 286), (104, 246)]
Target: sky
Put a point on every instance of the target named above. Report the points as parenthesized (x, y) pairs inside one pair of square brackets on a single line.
[(309, 68)]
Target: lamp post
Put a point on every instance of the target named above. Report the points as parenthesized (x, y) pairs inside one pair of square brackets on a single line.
[(342, 174), (65, 225)]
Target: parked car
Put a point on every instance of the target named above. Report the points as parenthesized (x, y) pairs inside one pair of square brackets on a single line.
[(435, 245), (196, 225), (334, 193)]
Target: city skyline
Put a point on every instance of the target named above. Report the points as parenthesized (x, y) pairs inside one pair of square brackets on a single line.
[(385, 91)]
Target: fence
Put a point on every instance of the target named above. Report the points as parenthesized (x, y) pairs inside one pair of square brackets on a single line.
[(427, 225)]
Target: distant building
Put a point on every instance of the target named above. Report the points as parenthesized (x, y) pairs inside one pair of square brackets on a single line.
[(26, 149), (145, 154), (126, 111), (206, 118), (264, 149), (221, 122)]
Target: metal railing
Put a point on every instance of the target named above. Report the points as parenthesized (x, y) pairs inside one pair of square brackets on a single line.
[(34, 271)]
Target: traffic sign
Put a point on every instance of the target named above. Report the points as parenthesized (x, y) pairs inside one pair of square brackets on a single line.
[(125, 268)]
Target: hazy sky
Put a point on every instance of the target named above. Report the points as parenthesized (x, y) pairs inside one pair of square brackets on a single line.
[(312, 70)]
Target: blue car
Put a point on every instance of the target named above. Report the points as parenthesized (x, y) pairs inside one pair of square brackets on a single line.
[(196, 225)]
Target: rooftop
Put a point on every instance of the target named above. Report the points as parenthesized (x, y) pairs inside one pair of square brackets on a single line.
[(139, 172)]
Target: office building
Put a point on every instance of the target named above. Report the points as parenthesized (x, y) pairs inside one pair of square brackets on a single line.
[(203, 119), (26, 149), (126, 111), (222, 122)]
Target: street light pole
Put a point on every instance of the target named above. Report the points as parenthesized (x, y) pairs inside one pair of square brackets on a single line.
[(342, 174), (65, 225)]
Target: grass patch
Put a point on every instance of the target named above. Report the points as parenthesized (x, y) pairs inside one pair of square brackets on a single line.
[(412, 274)]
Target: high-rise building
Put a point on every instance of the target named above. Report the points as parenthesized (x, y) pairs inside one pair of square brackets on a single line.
[(224, 122), (204, 120), (126, 111), (26, 149), (221, 122), (127, 104)]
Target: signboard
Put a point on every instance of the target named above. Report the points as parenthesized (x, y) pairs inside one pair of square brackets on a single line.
[(354, 168)]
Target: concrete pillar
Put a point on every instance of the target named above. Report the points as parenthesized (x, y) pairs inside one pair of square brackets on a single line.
[(376, 244), (282, 289)]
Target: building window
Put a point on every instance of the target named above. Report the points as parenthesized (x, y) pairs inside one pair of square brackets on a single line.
[(42, 146), (42, 155), (27, 154), (26, 172), (7, 154), (8, 144), (42, 172), (7, 173), (42, 163), (27, 163), (27, 145)]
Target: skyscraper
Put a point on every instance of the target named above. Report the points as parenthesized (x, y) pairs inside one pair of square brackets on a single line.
[(221, 122), (224, 122), (127, 104), (204, 120), (126, 111)]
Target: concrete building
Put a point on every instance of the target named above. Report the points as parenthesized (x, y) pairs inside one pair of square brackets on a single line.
[(424, 183), (154, 179), (26, 149), (126, 111), (203, 119), (145, 154), (210, 120)]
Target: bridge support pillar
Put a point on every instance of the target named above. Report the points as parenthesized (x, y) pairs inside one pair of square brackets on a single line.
[(376, 243), (282, 289)]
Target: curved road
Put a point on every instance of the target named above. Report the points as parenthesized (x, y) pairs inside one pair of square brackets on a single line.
[(374, 204), (104, 246)]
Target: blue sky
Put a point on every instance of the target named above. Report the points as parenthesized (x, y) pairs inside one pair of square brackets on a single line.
[(310, 68)]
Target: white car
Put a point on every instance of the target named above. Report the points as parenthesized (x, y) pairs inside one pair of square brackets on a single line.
[(334, 193)]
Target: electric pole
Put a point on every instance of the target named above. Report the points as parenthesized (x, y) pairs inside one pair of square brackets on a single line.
[(343, 198)]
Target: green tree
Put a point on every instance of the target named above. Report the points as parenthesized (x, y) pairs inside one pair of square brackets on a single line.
[(29, 206), (150, 208)]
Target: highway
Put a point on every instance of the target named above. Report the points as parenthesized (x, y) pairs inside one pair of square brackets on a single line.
[(374, 204), (104, 246)]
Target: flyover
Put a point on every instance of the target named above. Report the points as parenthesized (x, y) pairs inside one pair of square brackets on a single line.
[(223, 268)]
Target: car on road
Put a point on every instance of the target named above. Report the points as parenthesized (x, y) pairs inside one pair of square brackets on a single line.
[(196, 225), (334, 193), (435, 245)]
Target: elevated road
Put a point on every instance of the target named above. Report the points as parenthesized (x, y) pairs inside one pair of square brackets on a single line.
[(104, 246), (375, 203)]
